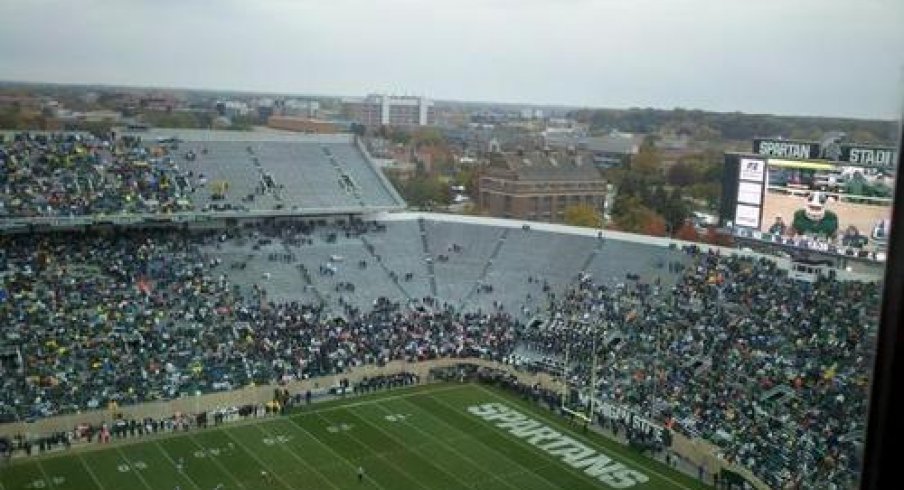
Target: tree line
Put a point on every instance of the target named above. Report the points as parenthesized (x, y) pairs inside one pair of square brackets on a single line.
[(714, 126)]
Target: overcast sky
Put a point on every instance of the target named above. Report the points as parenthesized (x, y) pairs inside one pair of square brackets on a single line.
[(814, 57)]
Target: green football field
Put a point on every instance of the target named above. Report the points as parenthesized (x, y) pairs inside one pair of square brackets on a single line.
[(435, 436)]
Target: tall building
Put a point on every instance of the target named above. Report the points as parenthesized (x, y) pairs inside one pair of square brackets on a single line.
[(539, 186), (377, 110)]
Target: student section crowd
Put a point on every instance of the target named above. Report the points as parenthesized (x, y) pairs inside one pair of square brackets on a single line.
[(62, 175)]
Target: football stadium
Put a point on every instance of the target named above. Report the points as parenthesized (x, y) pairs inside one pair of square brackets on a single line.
[(212, 309)]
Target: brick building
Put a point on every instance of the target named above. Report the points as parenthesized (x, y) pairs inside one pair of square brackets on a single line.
[(539, 186)]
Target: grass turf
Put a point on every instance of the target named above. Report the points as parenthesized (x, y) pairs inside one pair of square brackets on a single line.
[(415, 438)]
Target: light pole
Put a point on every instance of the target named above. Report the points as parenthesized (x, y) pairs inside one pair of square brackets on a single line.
[(593, 368), (569, 324)]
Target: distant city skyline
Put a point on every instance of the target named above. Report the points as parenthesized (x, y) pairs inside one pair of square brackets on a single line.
[(839, 58)]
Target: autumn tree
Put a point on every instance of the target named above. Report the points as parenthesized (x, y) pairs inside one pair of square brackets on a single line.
[(423, 190), (654, 225), (427, 137), (583, 215), (687, 232), (714, 237), (647, 163), (682, 173), (634, 217), (674, 210)]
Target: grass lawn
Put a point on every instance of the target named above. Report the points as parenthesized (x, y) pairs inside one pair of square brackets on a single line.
[(415, 438)]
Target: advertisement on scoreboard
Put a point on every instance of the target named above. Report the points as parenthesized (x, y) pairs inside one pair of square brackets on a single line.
[(751, 184)]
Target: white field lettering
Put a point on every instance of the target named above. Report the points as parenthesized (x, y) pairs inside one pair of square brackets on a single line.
[(574, 453)]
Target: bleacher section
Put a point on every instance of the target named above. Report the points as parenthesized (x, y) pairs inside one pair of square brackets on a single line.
[(618, 258), (456, 277), (342, 257), (305, 174), (373, 189), (401, 252), (226, 162), (475, 266), (283, 282), (219, 174), (540, 256)]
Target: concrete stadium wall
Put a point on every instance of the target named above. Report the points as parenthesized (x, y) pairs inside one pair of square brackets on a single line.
[(695, 451), (380, 175)]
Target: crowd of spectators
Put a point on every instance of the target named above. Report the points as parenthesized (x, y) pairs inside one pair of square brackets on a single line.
[(121, 427), (775, 372), (142, 316), (62, 175), (116, 429)]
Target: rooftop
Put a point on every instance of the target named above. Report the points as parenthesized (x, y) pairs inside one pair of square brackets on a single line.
[(540, 165)]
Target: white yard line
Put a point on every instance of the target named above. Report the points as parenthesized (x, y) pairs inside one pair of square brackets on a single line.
[(254, 457), (215, 461), (402, 443), (91, 472), (379, 455), (636, 462), (170, 459), (443, 443), (133, 469), (296, 456), (46, 476), (328, 448)]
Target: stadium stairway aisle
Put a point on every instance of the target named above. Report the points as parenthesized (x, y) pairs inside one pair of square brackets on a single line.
[(378, 260), (467, 247), (592, 256), (428, 257), (465, 301), (306, 277), (373, 190), (231, 163), (621, 258), (340, 261), (529, 260), (245, 266)]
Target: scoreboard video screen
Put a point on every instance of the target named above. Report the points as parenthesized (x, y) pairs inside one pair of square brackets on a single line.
[(790, 193)]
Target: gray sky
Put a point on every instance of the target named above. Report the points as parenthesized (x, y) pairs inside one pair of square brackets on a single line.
[(815, 57)]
